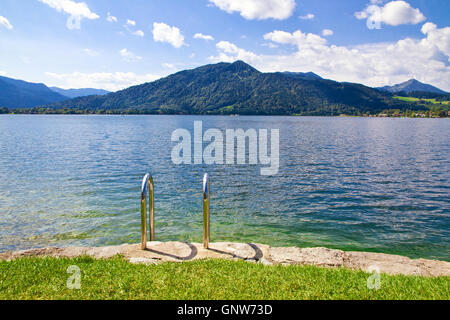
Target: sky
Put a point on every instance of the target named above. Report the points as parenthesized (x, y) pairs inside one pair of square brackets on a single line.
[(114, 44)]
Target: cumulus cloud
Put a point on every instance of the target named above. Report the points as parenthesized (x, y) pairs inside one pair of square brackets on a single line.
[(258, 9), (309, 16), (298, 38), (203, 36), (111, 81), (131, 22), (165, 33), (437, 38), (5, 23), (229, 52), (378, 64), (76, 10), (111, 18), (128, 55), (3, 73), (393, 13), (327, 32)]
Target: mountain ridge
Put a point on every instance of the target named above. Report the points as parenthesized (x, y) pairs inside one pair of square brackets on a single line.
[(82, 92), (303, 75), (22, 94), (16, 93), (237, 88), (412, 85)]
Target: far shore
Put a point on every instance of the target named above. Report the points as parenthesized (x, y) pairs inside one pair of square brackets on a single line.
[(220, 115)]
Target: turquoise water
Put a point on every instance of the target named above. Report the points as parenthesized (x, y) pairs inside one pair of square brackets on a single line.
[(349, 183)]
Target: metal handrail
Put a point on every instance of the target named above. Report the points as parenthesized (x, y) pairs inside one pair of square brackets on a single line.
[(147, 186), (206, 220)]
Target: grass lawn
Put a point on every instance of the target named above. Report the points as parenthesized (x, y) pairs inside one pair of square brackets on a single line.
[(412, 99), (46, 278)]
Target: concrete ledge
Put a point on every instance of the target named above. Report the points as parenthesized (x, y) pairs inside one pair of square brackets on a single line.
[(159, 252)]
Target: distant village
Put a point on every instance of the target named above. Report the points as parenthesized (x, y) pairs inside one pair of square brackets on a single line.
[(412, 114)]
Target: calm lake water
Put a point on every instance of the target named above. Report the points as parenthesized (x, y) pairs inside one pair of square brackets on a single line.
[(349, 183)]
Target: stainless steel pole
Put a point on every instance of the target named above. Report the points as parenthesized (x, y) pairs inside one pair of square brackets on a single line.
[(206, 216), (147, 186)]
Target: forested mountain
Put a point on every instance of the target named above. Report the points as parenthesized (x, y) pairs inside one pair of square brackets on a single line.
[(22, 94), (238, 88), (412, 86)]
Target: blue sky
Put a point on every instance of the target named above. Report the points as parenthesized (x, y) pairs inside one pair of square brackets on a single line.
[(112, 44)]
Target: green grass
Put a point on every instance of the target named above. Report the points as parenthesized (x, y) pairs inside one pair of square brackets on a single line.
[(412, 99), (46, 278)]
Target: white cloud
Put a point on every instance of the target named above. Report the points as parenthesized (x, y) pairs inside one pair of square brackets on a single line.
[(3, 73), (229, 52), (111, 18), (258, 9), (378, 64), (165, 33), (298, 38), (111, 81), (76, 9), (437, 40), (327, 32), (309, 16), (91, 52), (132, 23), (203, 36), (139, 33), (393, 13), (128, 55), (5, 23)]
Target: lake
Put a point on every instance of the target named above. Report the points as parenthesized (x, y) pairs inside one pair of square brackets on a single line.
[(366, 184)]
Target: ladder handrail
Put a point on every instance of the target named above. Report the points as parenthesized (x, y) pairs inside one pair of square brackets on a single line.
[(147, 186), (206, 215)]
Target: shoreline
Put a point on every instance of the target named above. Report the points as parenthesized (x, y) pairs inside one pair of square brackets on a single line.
[(160, 252), (217, 115)]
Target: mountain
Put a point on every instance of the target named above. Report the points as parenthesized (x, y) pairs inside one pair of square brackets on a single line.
[(22, 94), (302, 75), (75, 93), (237, 88), (410, 86)]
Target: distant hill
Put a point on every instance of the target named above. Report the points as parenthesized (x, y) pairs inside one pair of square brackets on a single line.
[(302, 75), (22, 94), (411, 86), (75, 93), (237, 88)]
